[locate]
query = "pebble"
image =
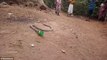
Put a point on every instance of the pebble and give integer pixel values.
(63, 51)
(32, 45)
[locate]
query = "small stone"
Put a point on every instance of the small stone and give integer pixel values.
(63, 51)
(32, 45)
(42, 7)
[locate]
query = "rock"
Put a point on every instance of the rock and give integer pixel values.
(11, 16)
(32, 45)
(42, 7)
(63, 51)
(4, 5)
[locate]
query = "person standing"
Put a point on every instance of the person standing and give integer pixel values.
(91, 8)
(58, 6)
(103, 10)
(71, 7)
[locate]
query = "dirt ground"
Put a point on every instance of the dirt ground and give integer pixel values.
(73, 38)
